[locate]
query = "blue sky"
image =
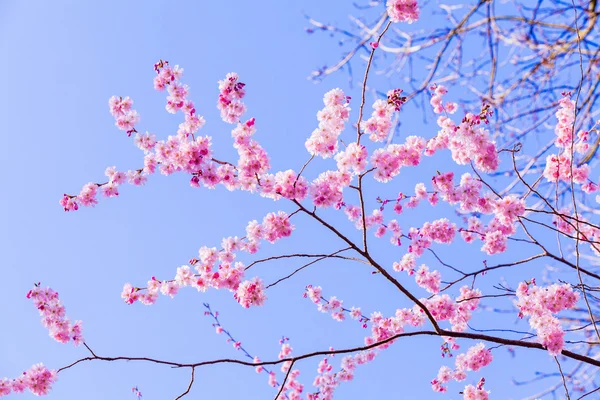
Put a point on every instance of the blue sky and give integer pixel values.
(61, 63)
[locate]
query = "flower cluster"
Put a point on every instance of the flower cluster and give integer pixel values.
(471, 392)
(327, 381)
(457, 311)
(565, 223)
(467, 141)
(539, 303)
(467, 194)
(38, 379)
(379, 125)
(230, 96)
(474, 359)
(326, 190)
(286, 184)
(228, 275)
(251, 293)
(564, 128)
(559, 167)
(125, 117)
(324, 140)
(437, 101)
(252, 165)
(178, 153)
(403, 10)
(353, 158)
(384, 328)
(428, 280)
(390, 159)
(292, 390)
(54, 316)
(333, 306)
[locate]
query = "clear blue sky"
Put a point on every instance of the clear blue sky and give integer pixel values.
(61, 61)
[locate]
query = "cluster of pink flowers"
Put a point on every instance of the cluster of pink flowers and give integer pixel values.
(314, 293)
(228, 275)
(471, 392)
(440, 231)
(403, 10)
(508, 209)
(466, 303)
(292, 390)
(390, 159)
(407, 263)
(89, 192)
(437, 100)
(276, 226)
(379, 125)
(441, 307)
(324, 140)
(38, 379)
(285, 184)
(354, 158)
(467, 194)
(539, 303)
(559, 166)
(125, 117)
(373, 220)
(565, 223)
(327, 381)
(467, 141)
(428, 280)
(457, 312)
(253, 162)
(165, 74)
(231, 93)
(564, 128)
(474, 359)
(333, 306)
(251, 293)
(383, 328)
(393, 226)
(54, 316)
(506, 212)
(326, 190)
(178, 153)
(169, 77)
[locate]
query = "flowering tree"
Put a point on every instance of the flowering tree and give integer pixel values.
(517, 56)
(360, 179)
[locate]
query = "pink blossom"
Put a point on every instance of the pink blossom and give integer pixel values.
(539, 303)
(494, 242)
(53, 315)
(323, 140)
(403, 10)
(251, 293)
(354, 158)
(429, 280)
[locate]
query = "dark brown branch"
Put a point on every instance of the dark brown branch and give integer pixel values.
(189, 386)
